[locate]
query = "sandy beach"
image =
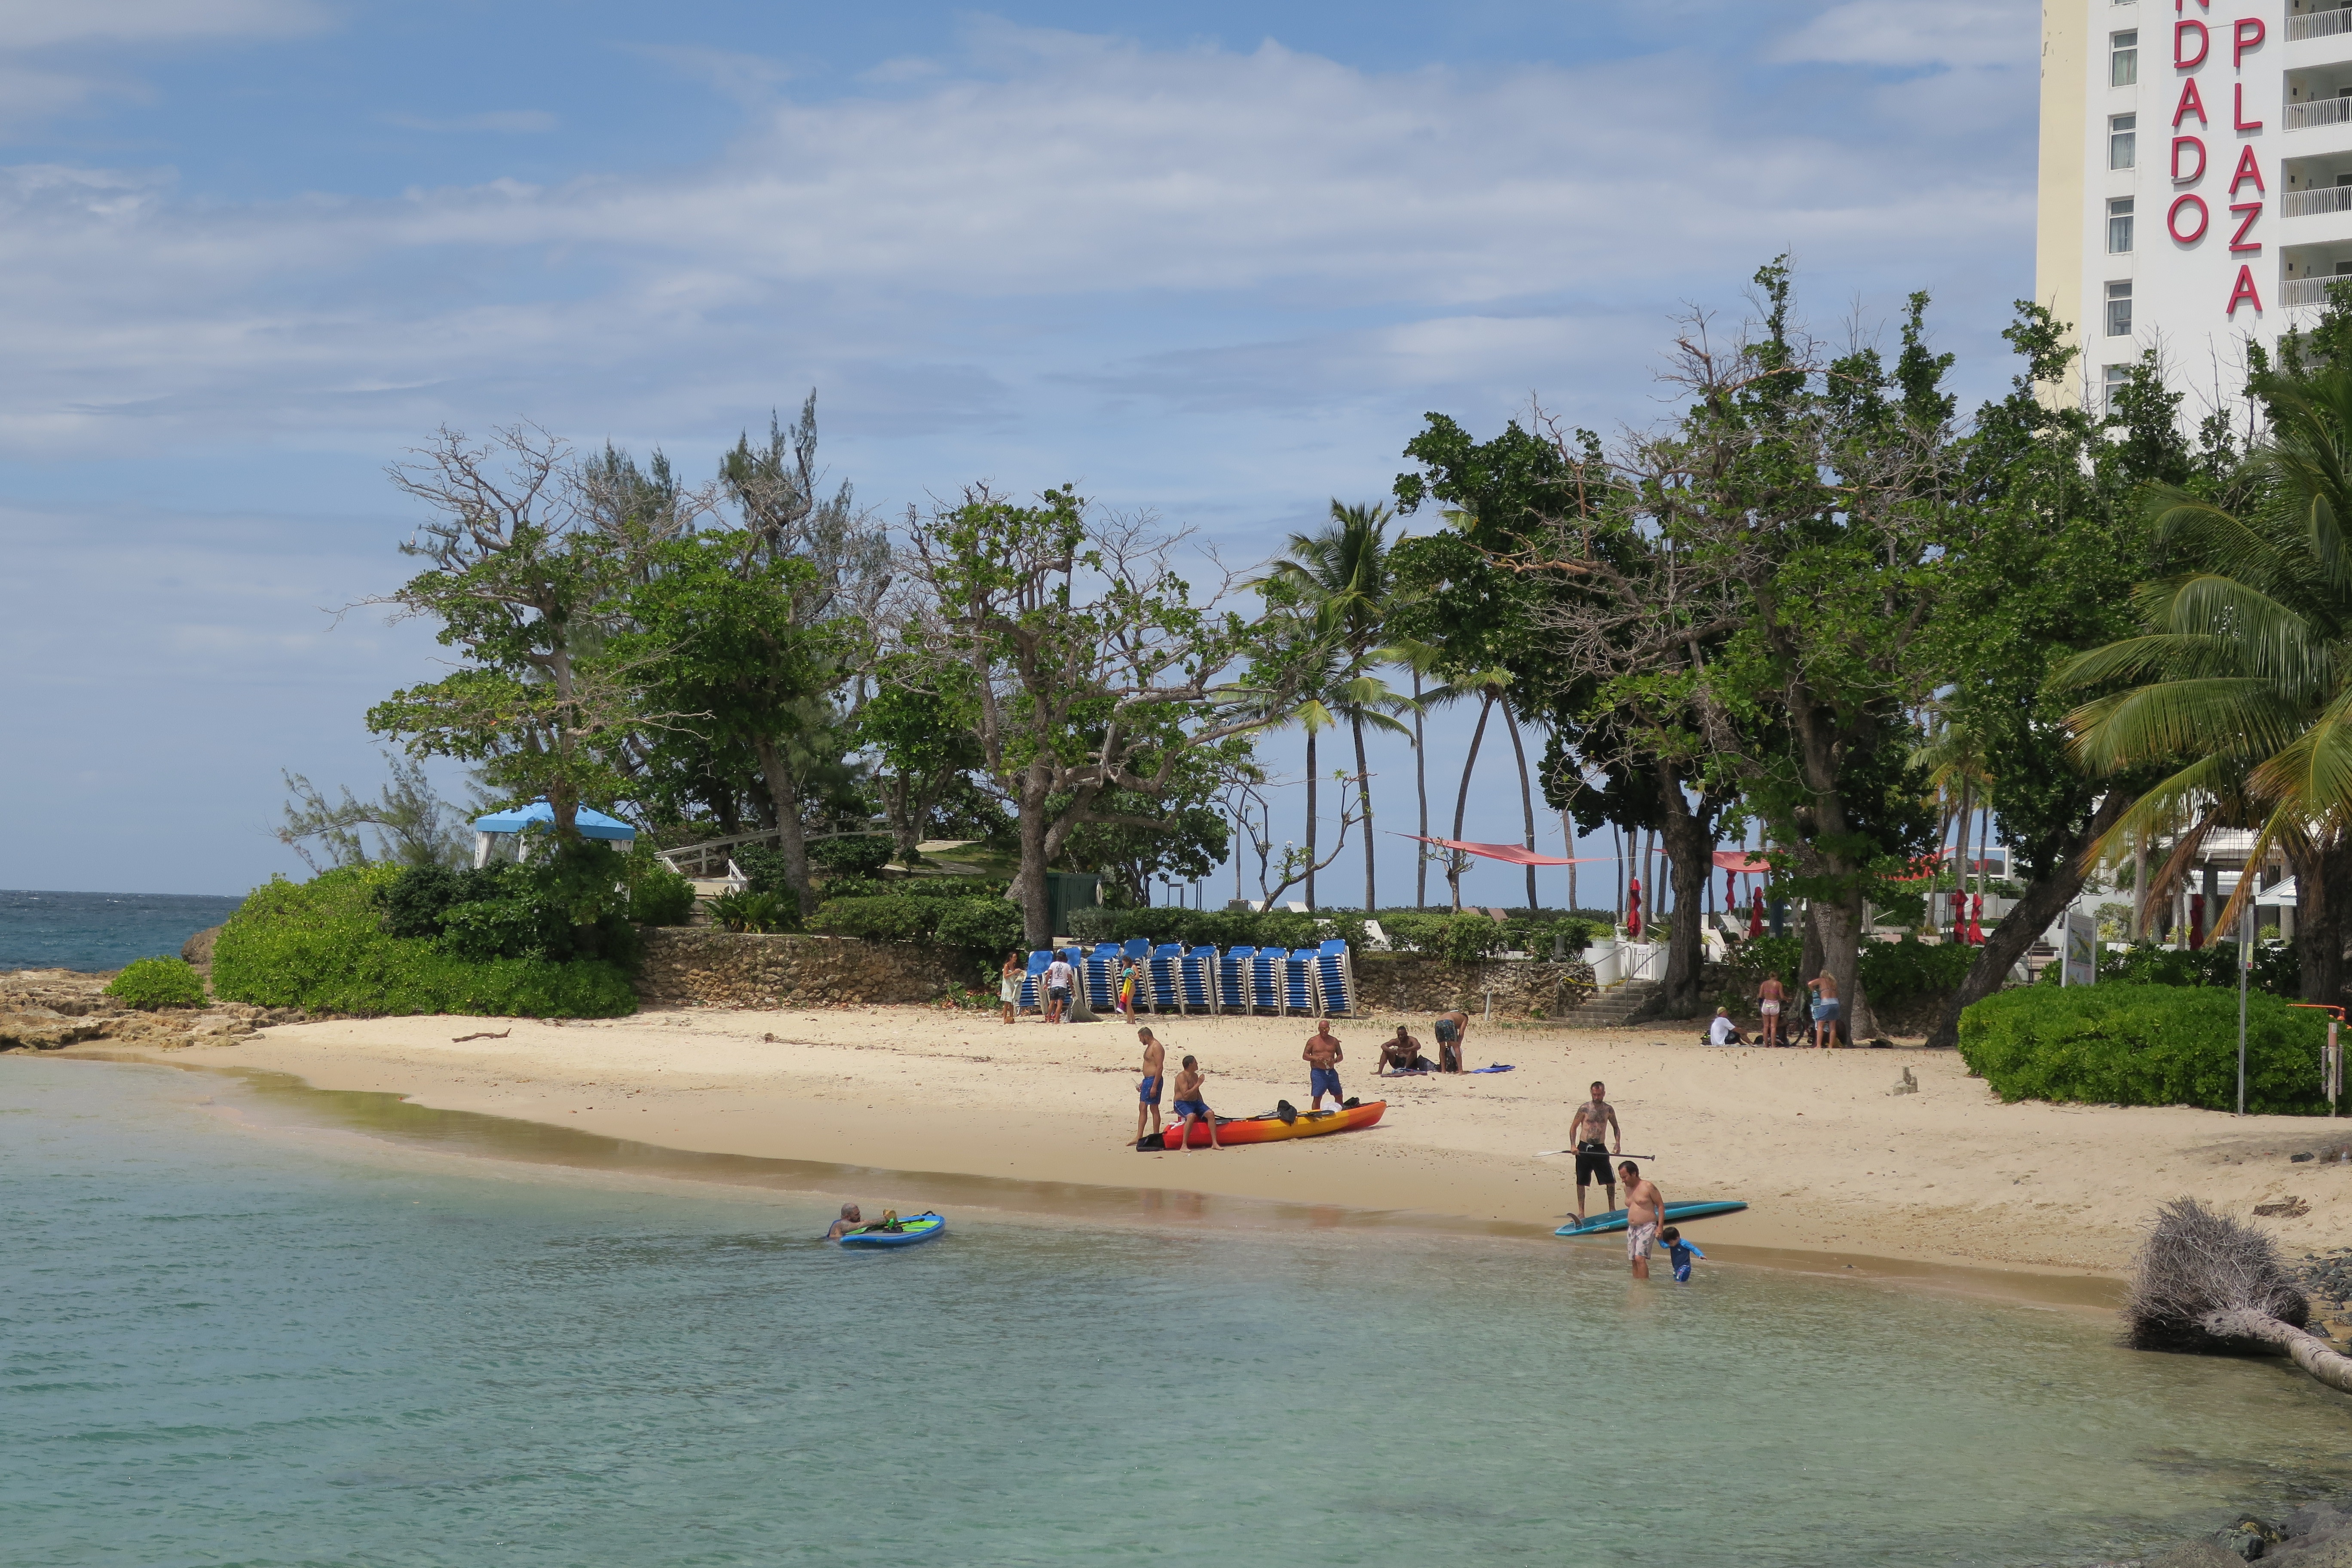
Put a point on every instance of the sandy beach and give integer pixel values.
(1834, 1162)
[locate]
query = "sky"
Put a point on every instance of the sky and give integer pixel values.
(1215, 261)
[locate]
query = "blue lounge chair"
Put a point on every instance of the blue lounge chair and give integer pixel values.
(1298, 981)
(1234, 979)
(1336, 976)
(1033, 994)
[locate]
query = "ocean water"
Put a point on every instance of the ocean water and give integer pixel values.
(101, 931)
(229, 1340)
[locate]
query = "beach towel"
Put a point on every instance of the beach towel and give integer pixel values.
(1499, 1067)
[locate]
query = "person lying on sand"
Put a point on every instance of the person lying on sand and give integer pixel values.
(1146, 1094)
(1323, 1056)
(1645, 1207)
(1452, 1030)
(1192, 1107)
(851, 1219)
(1400, 1055)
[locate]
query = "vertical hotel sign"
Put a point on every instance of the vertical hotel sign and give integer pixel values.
(2190, 216)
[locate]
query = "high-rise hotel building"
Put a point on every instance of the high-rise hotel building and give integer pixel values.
(2196, 180)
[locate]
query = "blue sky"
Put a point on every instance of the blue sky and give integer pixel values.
(1213, 260)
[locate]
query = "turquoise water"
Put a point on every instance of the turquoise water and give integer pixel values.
(101, 931)
(229, 1342)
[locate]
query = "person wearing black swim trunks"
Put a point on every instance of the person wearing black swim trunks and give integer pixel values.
(1594, 1118)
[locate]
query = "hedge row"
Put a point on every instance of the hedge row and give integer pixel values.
(321, 945)
(2116, 1044)
(982, 925)
(1461, 939)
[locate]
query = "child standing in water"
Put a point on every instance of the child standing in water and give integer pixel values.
(1679, 1253)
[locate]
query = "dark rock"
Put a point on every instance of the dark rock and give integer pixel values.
(2243, 1544)
(2196, 1554)
(198, 951)
(2299, 1159)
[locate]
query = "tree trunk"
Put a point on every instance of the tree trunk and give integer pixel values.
(1364, 796)
(1617, 857)
(2140, 893)
(1840, 925)
(2323, 893)
(784, 790)
(2044, 897)
(1960, 865)
(1029, 883)
(1688, 854)
(1808, 958)
(2307, 1350)
(1462, 801)
(1568, 836)
(1420, 791)
(1526, 799)
(1310, 816)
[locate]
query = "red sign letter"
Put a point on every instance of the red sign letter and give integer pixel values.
(2246, 34)
(2243, 291)
(2177, 177)
(2172, 219)
(2191, 103)
(2247, 169)
(2180, 45)
(2238, 241)
(2238, 121)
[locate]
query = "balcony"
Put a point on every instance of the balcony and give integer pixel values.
(2311, 204)
(2297, 291)
(2320, 112)
(2318, 25)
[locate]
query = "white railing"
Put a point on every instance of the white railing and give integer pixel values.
(2318, 23)
(2304, 291)
(2319, 111)
(2317, 200)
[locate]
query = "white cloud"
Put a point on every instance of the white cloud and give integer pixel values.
(44, 23)
(1919, 33)
(520, 121)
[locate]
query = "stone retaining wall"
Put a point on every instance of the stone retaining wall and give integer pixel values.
(698, 966)
(1524, 988)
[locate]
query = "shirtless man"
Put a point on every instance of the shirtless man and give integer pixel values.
(1645, 1210)
(1057, 977)
(1146, 1096)
(1769, 997)
(1323, 1056)
(1192, 1107)
(1451, 1029)
(1596, 1136)
(851, 1219)
(1825, 1010)
(1400, 1055)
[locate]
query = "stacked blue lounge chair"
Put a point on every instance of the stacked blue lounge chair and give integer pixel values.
(1335, 978)
(1298, 981)
(1265, 979)
(1033, 994)
(1167, 982)
(1198, 971)
(1102, 977)
(1234, 979)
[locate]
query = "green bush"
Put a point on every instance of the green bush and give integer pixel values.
(884, 919)
(983, 925)
(850, 885)
(557, 908)
(2277, 969)
(762, 865)
(657, 895)
(1899, 972)
(954, 887)
(150, 983)
(858, 854)
(2115, 1044)
(1218, 928)
(751, 910)
(322, 945)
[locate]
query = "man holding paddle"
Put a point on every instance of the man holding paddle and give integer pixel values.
(1592, 1132)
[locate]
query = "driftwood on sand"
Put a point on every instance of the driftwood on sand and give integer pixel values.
(2203, 1281)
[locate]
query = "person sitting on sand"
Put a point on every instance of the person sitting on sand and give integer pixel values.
(1400, 1055)
(1769, 997)
(1825, 1010)
(851, 1219)
(1722, 1031)
(1323, 1056)
(1679, 1253)
(1146, 1095)
(1008, 986)
(1192, 1107)
(1451, 1030)
(1645, 1208)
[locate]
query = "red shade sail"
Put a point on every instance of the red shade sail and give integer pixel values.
(1742, 862)
(1513, 854)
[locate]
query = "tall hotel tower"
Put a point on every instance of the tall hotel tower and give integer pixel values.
(2196, 181)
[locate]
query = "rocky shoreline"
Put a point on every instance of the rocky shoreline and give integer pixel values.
(49, 1009)
(2317, 1535)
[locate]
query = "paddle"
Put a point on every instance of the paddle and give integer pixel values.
(1547, 1153)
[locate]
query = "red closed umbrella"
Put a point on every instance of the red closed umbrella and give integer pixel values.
(1634, 910)
(2196, 921)
(1976, 923)
(1756, 914)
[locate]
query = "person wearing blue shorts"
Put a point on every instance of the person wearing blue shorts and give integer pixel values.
(1192, 1107)
(1679, 1253)
(1825, 1010)
(1323, 1056)
(1146, 1094)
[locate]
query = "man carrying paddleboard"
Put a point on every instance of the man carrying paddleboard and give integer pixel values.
(1592, 1132)
(1645, 1210)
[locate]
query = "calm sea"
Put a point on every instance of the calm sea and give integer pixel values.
(101, 931)
(230, 1340)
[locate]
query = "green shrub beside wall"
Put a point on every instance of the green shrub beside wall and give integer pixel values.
(2145, 1045)
(150, 983)
(322, 945)
(983, 925)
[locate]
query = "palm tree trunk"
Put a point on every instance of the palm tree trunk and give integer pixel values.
(1462, 801)
(1310, 816)
(1568, 836)
(2140, 889)
(1421, 790)
(1526, 799)
(1617, 858)
(1364, 795)
(1960, 861)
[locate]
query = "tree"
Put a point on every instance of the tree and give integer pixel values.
(1339, 578)
(412, 825)
(923, 744)
(1078, 696)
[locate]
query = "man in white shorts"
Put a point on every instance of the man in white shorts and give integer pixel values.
(1645, 1210)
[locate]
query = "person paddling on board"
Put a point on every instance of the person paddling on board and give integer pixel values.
(1323, 1056)
(1400, 1055)
(1592, 1133)
(1646, 1209)
(1451, 1029)
(1146, 1094)
(851, 1219)
(1192, 1107)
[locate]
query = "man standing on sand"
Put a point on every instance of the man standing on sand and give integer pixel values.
(1451, 1029)
(1769, 997)
(1592, 1133)
(1645, 1210)
(1057, 989)
(1825, 1010)
(1147, 1093)
(1323, 1056)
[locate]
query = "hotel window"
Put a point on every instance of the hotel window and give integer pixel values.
(2120, 139)
(2119, 225)
(2116, 376)
(2122, 60)
(2120, 310)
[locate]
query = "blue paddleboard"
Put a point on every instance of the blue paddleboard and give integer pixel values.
(912, 1231)
(1600, 1224)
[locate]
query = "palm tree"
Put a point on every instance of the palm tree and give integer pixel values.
(1954, 764)
(1339, 578)
(2243, 672)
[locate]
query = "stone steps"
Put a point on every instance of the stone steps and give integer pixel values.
(1613, 1007)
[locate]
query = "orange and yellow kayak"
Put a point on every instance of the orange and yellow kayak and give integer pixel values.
(1271, 1127)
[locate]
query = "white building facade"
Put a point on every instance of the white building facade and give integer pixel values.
(2196, 178)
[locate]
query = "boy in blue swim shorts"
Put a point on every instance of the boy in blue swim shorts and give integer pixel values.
(1679, 1253)
(1192, 1107)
